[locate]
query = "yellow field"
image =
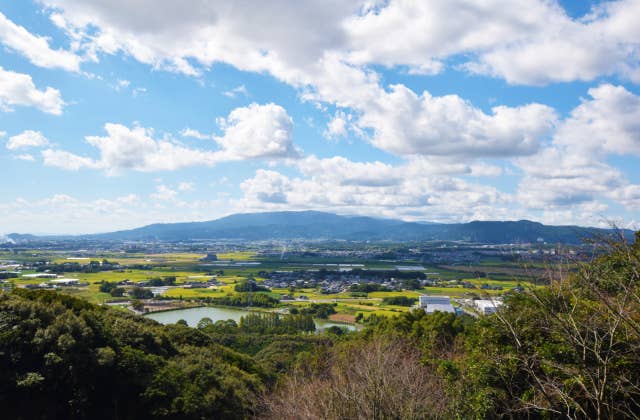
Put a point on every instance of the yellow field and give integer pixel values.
(181, 264)
(237, 256)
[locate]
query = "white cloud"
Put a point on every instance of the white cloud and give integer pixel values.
(401, 122)
(186, 186)
(629, 196)
(415, 190)
(238, 90)
(253, 132)
(407, 124)
(564, 50)
(522, 41)
(484, 169)
(17, 89)
(571, 172)
(125, 148)
(82, 215)
(257, 131)
(66, 160)
(341, 171)
(188, 36)
(330, 59)
(25, 157)
(190, 132)
(121, 84)
(333, 58)
(420, 34)
(609, 122)
(36, 48)
(556, 177)
(164, 193)
(138, 91)
(338, 126)
(27, 139)
(436, 198)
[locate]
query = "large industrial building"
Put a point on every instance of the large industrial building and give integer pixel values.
(432, 304)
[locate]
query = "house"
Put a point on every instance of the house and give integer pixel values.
(432, 304)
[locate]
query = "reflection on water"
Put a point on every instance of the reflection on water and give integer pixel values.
(193, 315)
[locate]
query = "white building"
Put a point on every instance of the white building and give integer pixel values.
(432, 304)
(64, 282)
(486, 306)
(40, 276)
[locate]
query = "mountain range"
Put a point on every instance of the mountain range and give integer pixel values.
(314, 225)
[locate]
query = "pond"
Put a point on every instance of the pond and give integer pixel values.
(193, 315)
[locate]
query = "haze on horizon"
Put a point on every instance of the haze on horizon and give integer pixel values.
(115, 115)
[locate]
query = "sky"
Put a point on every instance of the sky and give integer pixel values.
(116, 114)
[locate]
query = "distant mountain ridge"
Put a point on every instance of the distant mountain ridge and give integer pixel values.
(315, 225)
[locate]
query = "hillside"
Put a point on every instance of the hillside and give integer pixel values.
(313, 225)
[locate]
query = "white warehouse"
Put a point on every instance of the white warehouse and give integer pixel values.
(436, 303)
(486, 306)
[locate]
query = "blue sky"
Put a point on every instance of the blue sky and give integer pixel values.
(123, 113)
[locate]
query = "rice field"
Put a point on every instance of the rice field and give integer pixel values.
(188, 267)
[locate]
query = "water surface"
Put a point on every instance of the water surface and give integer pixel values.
(193, 315)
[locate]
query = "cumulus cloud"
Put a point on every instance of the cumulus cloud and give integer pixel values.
(331, 56)
(522, 41)
(437, 198)
(342, 171)
(338, 126)
(557, 177)
(191, 35)
(164, 193)
(421, 34)
(27, 139)
(238, 90)
(131, 148)
(416, 190)
(334, 58)
(257, 131)
(66, 160)
(17, 89)
(407, 124)
(563, 50)
(572, 172)
(190, 132)
(609, 122)
(253, 132)
(35, 48)
(402, 122)
(629, 196)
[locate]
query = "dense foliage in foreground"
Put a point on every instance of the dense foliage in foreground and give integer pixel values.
(571, 350)
(61, 357)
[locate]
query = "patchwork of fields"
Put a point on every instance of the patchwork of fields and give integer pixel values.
(230, 269)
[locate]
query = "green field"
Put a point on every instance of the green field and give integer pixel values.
(188, 266)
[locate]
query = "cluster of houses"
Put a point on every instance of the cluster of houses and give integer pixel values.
(331, 281)
(211, 281)
(55, 283)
